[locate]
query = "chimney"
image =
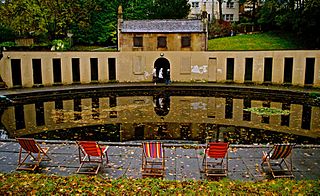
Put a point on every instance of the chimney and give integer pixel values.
(120, 21)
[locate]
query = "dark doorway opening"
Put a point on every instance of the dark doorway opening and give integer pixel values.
(162, 66)
(16, 72)
(230, 69)
(56, 63)
(112, 104)
(267, 70)
(76, 70)
(309, 74)
(229, 108)
(306, 117)
(94, 69)
(40, 120)
(19, 116)
(112, 68)
(37, 73)
(288, 67)
(139, 132)
(248, 70)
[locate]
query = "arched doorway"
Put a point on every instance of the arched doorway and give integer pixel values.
(162, 65)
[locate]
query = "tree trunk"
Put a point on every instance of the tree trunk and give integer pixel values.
(220, 9)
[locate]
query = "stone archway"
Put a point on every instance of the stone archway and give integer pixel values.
(164, 64)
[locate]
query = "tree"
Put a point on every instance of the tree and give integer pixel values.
(220, 9)
(91, 21)
(6, 34)
(299, 16)
(170, 9)
(51, 18)
(252, 14)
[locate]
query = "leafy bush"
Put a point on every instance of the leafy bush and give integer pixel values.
(7, 44)
(61, 45)
(219, 28)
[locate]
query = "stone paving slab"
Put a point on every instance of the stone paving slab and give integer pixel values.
(181, 163)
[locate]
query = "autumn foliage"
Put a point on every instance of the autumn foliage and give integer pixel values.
(40, 184)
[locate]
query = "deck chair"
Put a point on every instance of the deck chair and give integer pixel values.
(153, 162)
(215, 159)
(279, 160)
(91, 154)
(35, 154)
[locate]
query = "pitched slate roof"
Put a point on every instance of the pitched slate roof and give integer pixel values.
(162, 26)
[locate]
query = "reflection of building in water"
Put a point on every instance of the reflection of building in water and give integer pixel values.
(134, 117)
(161, 104)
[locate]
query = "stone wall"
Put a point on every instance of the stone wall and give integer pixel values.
(27, 69)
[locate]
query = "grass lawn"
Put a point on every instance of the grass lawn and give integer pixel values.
(259, 41)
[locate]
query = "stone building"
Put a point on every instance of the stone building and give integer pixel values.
(161, 35)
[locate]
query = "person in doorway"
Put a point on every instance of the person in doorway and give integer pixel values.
(154, 76)
(167, 76)
(161, 75)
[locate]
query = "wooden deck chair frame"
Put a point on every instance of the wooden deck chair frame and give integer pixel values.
(215, 159)
(90, 152)
(279, 160)
(34, 150)
(153, 159)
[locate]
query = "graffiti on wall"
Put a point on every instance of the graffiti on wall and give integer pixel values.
(199, 69)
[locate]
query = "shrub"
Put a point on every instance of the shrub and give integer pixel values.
(219, 28)
(7, 44)
(6, 34)
(60, 45)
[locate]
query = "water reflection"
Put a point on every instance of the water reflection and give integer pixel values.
(161, 104)
(165, 117)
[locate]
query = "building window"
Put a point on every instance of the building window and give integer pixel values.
(228, 17)
(162, 42)
(137, 42)
(195, 4)
(185, 41)
(230, 4)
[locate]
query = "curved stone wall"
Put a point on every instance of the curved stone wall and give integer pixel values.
(32, 69)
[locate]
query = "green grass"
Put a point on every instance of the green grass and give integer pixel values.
(92, 48)
(40, 184)
(259, 41)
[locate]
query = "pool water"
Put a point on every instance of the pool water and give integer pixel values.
(181, 117)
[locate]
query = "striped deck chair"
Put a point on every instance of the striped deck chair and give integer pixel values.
(215, 159)
(279, 160)
(34, 150)
(91, 153)
(153, 162)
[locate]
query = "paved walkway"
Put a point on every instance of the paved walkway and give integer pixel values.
(181, 163)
